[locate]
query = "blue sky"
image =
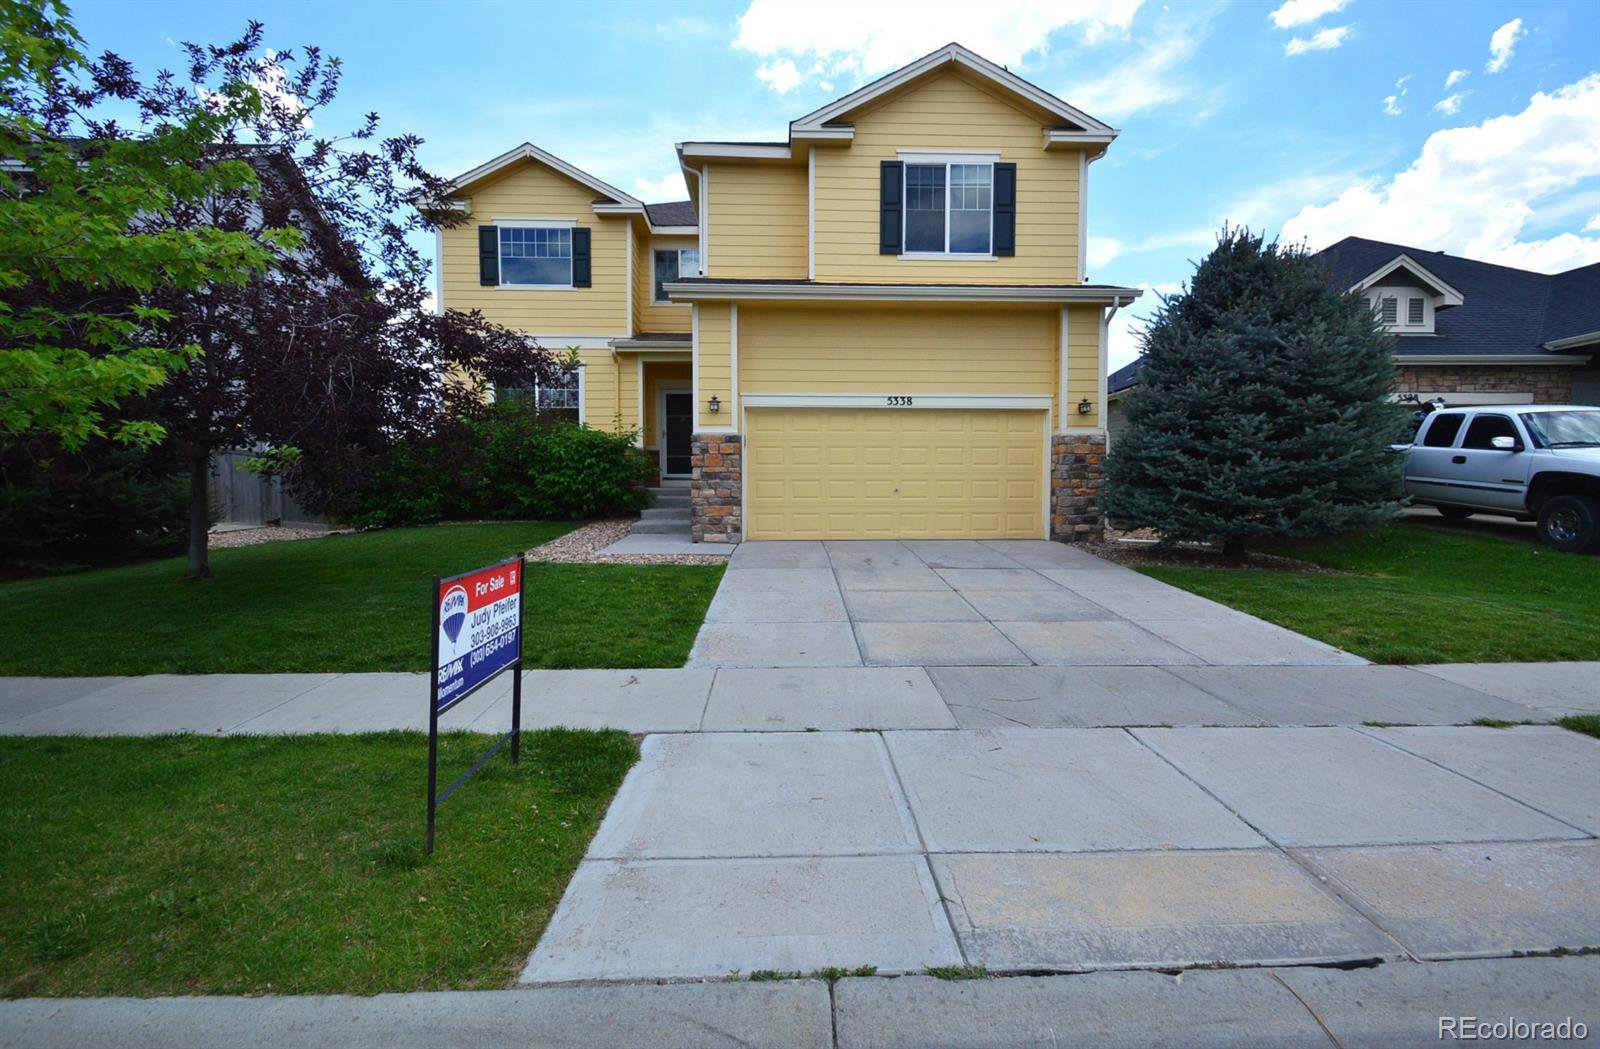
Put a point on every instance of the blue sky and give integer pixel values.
(1467, 127)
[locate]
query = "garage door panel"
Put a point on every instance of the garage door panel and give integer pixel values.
(888, 473)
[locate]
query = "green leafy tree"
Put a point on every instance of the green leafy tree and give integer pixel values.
(1265, 408)
(78, 258)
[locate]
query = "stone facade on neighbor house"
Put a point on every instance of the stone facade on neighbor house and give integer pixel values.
(1543, 384)
(878, 327)
(716, 489)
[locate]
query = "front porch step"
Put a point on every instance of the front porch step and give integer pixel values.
(670, 497)
(665, 513)
(674, 526)
(672, 482)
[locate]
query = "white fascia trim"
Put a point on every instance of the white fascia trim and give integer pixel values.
(1059, 137)
(1573, 341)
(602, 208)
(694, 364)
(533, 223)
(1061, 412)
(903, 292)
(947, 156)
(1450, 295)
(674, 231)
(725, 150)
(648, 357)
(811, 213)
(881, 400)
(842, 133)
(733, 356)
(570, 342)
(1083, 216)
(529, 151)
(950, 53)
(1492, 358)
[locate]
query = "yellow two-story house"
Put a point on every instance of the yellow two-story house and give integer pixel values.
(879, 328)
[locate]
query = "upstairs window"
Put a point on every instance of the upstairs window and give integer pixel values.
(949, 209)
(536, 256)
(673, 264)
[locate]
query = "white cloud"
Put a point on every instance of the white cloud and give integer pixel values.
(874, 38)
(1299, 12)
(1502, 44)
(668, 187)
(1322, 40)
(1450, 105)
(781, 76)
(1391, 103)
(1103, 250)
(1593, 225)
(1456, 76)
(1151, 78)
(1472, 190)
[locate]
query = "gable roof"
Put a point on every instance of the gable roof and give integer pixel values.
(952, 54)
(1503, 311)
(672, 213)
(529, 151)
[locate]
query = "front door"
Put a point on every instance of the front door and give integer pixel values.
(677, 424)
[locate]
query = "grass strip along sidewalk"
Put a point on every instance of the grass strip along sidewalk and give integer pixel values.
(1414, 594)
(188, 865)
(343, 604)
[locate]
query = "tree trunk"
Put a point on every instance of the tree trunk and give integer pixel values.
(199, 515)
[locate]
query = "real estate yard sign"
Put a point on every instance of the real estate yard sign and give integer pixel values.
(477, 633)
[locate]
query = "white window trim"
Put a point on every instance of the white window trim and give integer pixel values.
(680, 250)
(527, 223)
(979, 157)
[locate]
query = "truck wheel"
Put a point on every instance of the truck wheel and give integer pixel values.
(1453, 513)
(1570, 523)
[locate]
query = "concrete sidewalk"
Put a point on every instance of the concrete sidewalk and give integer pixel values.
(1397, 1004)
(798, 699)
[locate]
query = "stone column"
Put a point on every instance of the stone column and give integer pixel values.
(716, 513)
(1077, 473)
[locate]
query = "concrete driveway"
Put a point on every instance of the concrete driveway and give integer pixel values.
(972, 603)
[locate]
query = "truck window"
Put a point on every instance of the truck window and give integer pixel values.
(1442, 430)
(1485, 428)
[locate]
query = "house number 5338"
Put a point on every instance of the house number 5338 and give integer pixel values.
(899, 402)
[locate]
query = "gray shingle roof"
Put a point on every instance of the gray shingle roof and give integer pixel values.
(672, 213)
(1503, 310)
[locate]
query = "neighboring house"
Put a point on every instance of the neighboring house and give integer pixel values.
(878, 328)
(1471, 333)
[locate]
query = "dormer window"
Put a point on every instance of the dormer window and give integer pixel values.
(1405, 296)
(1404, 311)
(1414, 312)
(1389, 310)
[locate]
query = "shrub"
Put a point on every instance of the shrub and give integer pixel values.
(1265, 409)
(508, 463)
(104, 505)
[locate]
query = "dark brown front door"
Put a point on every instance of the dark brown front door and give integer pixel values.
(679, 415)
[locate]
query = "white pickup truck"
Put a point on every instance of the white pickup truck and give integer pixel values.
(1532, 462)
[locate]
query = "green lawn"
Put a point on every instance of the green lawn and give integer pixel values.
(1424, 595)
(189, 865)
(344, 603)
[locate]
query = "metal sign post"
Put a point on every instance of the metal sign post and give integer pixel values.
(477, 635)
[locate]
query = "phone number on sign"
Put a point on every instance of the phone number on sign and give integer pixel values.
(488, 624)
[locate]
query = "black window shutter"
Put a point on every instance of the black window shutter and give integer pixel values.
(1005, 209)
(580, 258)
(488, 255)
(891, 192)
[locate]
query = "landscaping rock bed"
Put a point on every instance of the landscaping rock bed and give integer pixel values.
(582, 546)
(270, 534)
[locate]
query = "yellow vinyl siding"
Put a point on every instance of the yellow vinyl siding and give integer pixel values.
(883, 473)
(756, 220)
(599, 389)
(926, 348)
(714, 365)
(946, 111)
(650, 315)
(533, 191)
(1083, 364)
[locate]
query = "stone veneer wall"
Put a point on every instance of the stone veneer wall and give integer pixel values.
(716, 513)
(1549, 384)
(1077, 474)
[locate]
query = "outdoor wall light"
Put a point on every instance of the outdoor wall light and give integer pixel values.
(1084, 407)
(713, 405)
